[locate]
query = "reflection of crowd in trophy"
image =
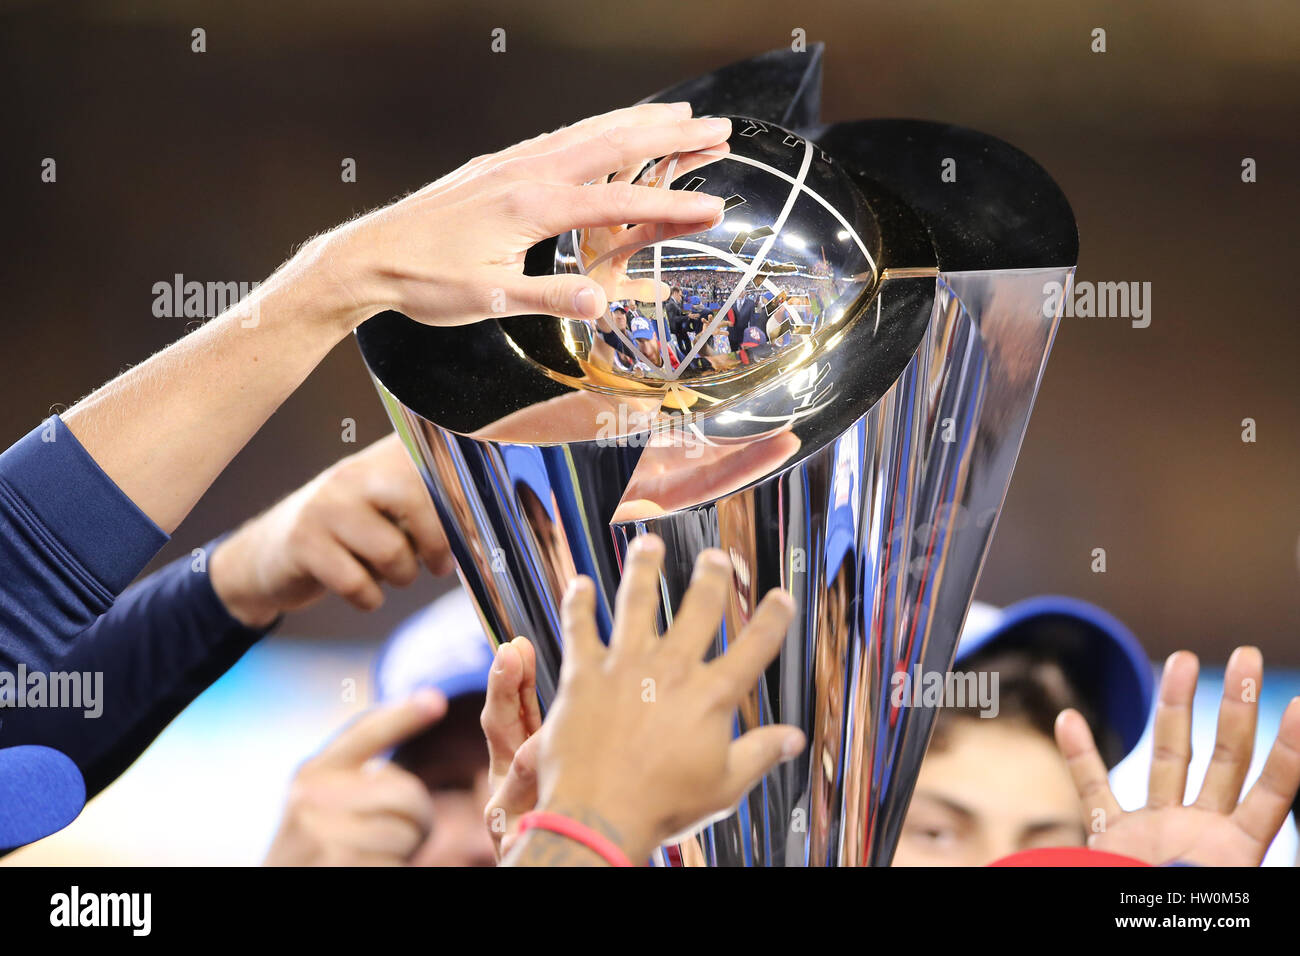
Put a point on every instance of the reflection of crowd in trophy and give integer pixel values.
(753, 327)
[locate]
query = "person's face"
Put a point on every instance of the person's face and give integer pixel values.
(452, 761)
(994, 788)
(650, 349)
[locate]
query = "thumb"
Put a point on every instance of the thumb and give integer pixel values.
(518, 792)
(755, 753)
(502, 717)
(382, 728)
(568, 296)
(516, 795)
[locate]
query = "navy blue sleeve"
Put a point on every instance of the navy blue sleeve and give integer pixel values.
(164, 641)
(70, 541)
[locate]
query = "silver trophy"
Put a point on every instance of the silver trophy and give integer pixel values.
(831, 385)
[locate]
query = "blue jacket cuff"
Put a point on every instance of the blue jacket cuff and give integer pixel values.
(87, 515)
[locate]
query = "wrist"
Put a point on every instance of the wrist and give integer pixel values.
(340, 277)
(626, 830)
(589, 841)
(233, 580)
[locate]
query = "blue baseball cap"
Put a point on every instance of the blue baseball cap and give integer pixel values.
(640, 327)
(1101, 657)
(753, 336)
(443, 646)
(41, 792)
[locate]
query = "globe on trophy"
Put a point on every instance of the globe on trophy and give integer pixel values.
(831, 384)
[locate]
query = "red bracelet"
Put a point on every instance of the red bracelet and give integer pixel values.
(602, 846)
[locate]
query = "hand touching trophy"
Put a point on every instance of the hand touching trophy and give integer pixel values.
(830, 383)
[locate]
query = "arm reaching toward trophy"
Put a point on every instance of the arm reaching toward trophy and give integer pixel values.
(1219, 828)
(451, 253)
(639, 744)
(365, 522)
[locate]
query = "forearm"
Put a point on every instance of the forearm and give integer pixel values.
(448, 254)
(166, 428)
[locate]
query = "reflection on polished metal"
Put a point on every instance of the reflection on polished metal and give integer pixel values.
(795, 251)
(835, 394)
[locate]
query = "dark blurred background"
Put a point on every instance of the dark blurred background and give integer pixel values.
(217, 165)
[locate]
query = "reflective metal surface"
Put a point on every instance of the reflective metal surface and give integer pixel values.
(796, 249)
(862, 465)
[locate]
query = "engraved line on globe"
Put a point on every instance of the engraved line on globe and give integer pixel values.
(752, 270)
(662, 183)
(653, 173)
(776, 173)
(820, 200)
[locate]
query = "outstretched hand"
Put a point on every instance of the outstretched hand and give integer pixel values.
(639, 742)
(453, 252)
(1215, 830)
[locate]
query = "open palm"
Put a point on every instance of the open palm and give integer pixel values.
(1216, 830)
